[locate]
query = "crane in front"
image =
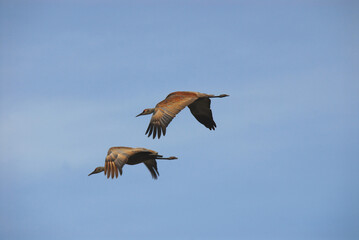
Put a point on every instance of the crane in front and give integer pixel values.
(117, 157)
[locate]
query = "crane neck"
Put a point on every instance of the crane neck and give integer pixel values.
(150, 110)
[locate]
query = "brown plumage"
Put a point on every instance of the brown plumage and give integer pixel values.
(117, 157)
(198, 103)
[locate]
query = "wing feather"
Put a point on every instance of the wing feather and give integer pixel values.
(115, 160)
(201, 110)
(152, 167)
(167, 109)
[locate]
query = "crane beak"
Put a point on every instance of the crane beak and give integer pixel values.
(139, 114)
(92, 173)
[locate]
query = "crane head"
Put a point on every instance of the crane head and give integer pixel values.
(146, 111)
(97, 170)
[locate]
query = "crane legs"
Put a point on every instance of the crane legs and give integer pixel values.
(169, 158)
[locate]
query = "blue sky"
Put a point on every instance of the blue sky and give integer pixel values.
(282, 164)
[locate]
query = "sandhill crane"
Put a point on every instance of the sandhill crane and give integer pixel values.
(166, 110)
(119, 156)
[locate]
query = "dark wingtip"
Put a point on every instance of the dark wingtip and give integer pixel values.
(150, 130)
(212, 126)
(155, 176)
(154, 132)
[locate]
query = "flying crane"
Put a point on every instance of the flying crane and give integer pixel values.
(117, 157)
(166, 110)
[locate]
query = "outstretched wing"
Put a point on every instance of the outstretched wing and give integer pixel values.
(201, 110)
(167, 109)
(152, 167)
(115, 159)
